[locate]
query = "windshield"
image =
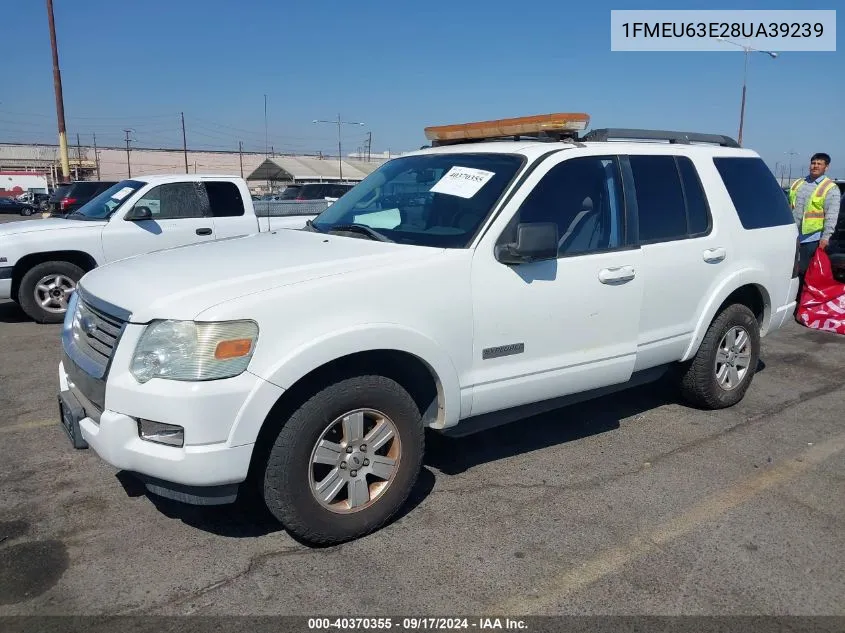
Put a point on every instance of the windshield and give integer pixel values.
(435, 200)
(102, 206)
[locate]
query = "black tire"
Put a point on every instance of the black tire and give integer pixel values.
(699, 384)
(26, 292)
(286, 475)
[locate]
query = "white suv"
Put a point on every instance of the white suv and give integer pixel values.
(463, 285)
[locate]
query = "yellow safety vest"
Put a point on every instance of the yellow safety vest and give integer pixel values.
(813, 220)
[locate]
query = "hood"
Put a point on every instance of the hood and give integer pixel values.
(48, 224)
(181, 282)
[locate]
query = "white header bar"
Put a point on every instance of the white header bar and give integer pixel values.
(772, 31)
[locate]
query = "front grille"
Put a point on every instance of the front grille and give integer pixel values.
(95, 334)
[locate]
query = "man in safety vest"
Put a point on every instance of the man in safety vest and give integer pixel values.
(815, 206)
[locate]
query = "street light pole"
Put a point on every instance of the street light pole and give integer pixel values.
(746, 50)
(790, 154)
(339, 122)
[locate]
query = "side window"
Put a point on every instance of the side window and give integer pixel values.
(224, 199)
(177, 200)
(660, 199)
(698, 211)
(754, 191)
(584, 197)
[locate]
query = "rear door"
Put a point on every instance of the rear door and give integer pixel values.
(181, 215)
(683, 253)
(228, 210)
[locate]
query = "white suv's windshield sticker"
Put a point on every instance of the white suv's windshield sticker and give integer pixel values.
(120, 195)
(462, 181)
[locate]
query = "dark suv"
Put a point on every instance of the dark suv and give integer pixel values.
(321, 190)
(67, 198)
(836, 247)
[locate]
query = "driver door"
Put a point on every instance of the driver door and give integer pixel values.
(551, 328)
(180, 213)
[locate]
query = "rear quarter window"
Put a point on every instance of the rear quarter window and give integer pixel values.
(754, 191)
(224, 198)
(84, 190)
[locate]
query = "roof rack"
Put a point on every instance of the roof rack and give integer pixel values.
(604, 134)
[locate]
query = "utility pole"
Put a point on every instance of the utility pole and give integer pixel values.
(78, 157)
(266, 141)
(369, 145)
(57, 88)
(339, 122)
(241, 156)
(96, 156)
(128, 166)
(184, 143)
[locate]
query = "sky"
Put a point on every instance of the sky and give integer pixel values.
(396, 67)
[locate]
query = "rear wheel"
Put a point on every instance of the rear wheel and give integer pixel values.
(345, 461)
(724, 366)
(46, 288)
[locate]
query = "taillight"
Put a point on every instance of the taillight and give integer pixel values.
(66, 202)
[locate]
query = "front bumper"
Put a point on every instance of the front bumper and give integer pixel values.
(208, 468)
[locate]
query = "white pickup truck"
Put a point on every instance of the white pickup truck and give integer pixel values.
(455, 287)
(42, 260)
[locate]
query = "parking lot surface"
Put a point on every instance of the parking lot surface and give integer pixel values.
(634, 504)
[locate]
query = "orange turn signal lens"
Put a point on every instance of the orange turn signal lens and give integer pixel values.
(236, 348)
(558, 122)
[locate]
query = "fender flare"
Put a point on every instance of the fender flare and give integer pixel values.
(302, 360)
(744, 277)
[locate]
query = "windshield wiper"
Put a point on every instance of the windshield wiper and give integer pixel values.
(361, 228)
(309, 224)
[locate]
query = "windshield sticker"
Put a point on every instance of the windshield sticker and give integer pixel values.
(462, 181)
(120, 195)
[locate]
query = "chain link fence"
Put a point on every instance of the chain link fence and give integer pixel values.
(285, 208)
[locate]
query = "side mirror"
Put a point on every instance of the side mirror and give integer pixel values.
(139, 213)
(535, 241)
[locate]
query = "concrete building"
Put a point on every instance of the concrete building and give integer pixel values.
(113, 163)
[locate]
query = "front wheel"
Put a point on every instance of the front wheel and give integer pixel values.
(345, 461)
(724, 366)
(46, 288)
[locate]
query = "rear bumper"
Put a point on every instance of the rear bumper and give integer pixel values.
(781, 314)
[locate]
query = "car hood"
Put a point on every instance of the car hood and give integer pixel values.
(47, 224)
(181, 282)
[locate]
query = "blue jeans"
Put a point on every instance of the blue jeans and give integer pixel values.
(806, 252)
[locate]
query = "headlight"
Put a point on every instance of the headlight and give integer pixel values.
(186, 350)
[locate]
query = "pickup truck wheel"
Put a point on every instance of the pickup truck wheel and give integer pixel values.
(45, 290)
(345, 462)
(724, 366)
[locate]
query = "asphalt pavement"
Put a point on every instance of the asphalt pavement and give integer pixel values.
(634, 504)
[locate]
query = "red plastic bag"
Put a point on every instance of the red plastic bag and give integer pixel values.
(822, 303)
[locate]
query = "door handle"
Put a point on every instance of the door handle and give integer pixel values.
(204, 231)
(713, 255)
(619, 274)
